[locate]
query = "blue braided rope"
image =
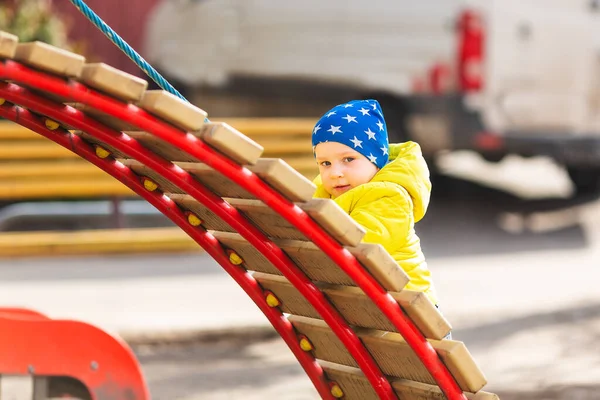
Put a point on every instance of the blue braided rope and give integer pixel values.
(127, 49)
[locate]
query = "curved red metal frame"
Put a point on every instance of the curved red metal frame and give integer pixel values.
(246, 179)
(201, 236)
(181, 178)
(229, 214)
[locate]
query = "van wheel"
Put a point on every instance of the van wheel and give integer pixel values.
(586, 180)
(493, 157)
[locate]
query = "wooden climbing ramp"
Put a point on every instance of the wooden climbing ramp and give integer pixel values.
(339, 304)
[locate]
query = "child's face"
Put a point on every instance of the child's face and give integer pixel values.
(342, 168)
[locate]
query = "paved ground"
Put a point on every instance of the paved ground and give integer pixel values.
(526, 304)
(265, 370)
(533, 342)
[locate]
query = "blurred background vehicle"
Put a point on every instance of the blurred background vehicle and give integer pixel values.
(495, 77)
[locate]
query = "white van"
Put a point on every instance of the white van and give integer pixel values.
(496, 77)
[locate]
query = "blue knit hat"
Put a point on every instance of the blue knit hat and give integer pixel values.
(359, 124)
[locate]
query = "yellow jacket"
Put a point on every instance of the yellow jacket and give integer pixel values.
(389, 206)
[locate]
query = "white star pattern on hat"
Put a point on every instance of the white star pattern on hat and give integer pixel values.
(350, 118)
(370, 134)
(357, 143)
(363, 131)
(334, 129)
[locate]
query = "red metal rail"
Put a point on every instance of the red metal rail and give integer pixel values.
(215, 200)
(274, 254)
(203, 238)
(77, 92)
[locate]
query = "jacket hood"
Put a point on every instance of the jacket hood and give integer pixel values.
(407, 168)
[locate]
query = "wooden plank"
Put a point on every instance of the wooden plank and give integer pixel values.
(393, 355)
(50, 58)
(114, 153)
(26, 150)
(216, 182)
(277, 172)
(299, 252)
(352, 302)
(230, 142)
(49, 169)
(209, 219)
(378, 262)
(64, 188)
(271, 223)
(114, 82)
(57, 98)
(274, 226)
(482, 395)
(283, 178)
(95, 241)
(142, 170)
(273, 126)
(460, 363)
(304, 164)
(401, 362)
(357, 308)
(274, 170)
(174, 110)
(253, 259)
(325, 212)
(335, 221)
(103, 118)
(307, 167)
(355, 386)
(251, 127)
(292, 302)
(12, 131)
(8, 44)
(160, 147)
(316, 265)
(325, 344)
(351, 381)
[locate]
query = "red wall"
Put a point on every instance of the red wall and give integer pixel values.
(126, 17)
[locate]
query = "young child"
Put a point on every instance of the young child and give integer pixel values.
(383, 187)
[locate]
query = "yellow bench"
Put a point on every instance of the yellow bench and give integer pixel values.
(95, 241)
(32, 167)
